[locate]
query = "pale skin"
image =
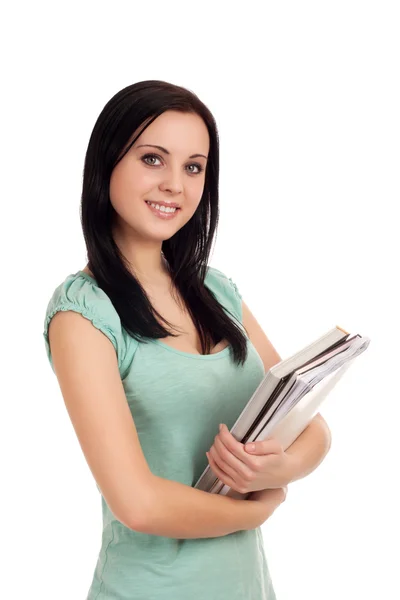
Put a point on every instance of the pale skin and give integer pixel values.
(268, 466)
(175, 177)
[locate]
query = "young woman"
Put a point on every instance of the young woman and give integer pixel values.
(153, 349)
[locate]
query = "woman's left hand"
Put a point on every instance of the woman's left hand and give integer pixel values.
(244, 471)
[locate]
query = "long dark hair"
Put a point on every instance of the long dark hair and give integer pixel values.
(187, 252)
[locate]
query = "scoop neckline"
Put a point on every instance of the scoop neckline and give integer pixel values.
(214, 356)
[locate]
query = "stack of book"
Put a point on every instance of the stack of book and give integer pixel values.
(289, 396)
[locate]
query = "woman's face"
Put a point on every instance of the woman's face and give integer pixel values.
(173, 176)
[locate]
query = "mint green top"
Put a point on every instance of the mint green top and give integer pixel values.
(177, 400)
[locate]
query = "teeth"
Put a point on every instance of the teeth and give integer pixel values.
(162, 208)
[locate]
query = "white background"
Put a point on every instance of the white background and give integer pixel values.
(306, 98)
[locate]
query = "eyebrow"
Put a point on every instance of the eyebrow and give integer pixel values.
(166, 151)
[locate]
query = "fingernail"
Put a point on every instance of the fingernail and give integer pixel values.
(250, 447)
(220, 426)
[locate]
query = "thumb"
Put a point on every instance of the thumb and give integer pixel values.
(263, 447)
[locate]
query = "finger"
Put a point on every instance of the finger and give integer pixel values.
(220, 474)
(264, 447)
(231, 463)
(231, 442)
(237, 449)
(222, 465)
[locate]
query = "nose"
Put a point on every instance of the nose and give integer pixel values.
(172, 183)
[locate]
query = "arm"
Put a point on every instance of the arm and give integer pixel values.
(264, 464)
(309, 450)
(86, 366)
(180, 511)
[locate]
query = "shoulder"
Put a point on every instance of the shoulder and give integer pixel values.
(80, 293)
(226, 291)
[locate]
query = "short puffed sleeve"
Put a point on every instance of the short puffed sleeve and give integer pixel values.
(226, 291)
(79, 294)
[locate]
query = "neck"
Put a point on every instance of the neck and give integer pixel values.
(145, 260)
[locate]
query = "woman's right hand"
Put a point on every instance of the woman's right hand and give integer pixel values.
(270, 499)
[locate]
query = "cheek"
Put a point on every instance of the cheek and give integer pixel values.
(191, 203)
(127, 185)
(194, 193)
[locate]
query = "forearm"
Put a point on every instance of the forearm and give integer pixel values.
(180, 511)
(309, 449)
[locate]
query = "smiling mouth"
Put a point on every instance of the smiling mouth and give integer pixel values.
(162, 211)
(160, 204)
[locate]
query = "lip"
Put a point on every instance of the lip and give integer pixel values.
(166, 216)
(170, 204)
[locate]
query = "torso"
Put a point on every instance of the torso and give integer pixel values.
(188, 338)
